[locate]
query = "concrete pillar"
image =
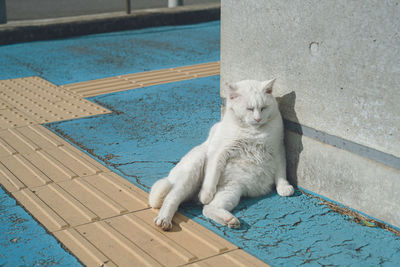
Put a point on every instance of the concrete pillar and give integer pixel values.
(3, 12)
(128, 6)
(175, 3)
(337, 65)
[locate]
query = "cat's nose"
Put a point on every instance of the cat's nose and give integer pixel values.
(258, 120)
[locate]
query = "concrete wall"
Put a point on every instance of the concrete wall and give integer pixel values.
(337, 65)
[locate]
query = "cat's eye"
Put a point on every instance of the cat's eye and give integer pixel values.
(250, 109)
(263, 108)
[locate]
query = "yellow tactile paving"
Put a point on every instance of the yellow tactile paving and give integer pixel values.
(20, 169)
(12, 117)
(35, 100)
(191, 235)
(99, 216)
(119, 190)
(143, 79)
(40, 210)
(82, 248)
(236, 257)
(4, 105)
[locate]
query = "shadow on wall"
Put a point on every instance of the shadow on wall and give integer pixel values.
(293, 135)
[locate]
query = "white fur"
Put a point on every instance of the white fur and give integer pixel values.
(243, 156)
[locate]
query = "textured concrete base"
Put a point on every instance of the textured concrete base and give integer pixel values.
(337, 74)
(25, 31)
(344, 177)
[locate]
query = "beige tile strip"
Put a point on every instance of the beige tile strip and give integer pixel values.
(32, 100)
(99, 216)
(143, 79)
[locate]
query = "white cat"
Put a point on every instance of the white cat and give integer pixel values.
(243, 155)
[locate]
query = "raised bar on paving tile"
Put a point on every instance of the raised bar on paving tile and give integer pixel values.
(21, 170)
(190, 235)
(115, 245)
(40, 210)
(120, 190)
(143, 79)
(151, 241)
(87, 253)
(65, 205)
(235, 258)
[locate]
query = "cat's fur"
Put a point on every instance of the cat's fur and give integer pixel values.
(243, 156)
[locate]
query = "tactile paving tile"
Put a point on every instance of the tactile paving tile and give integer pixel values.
(43, 167)
(4, 105)
(11, 118)
(115, 245)
(40, 210)
(45, 102)
(19, 170)
(82, 248)
(65, 205)
(119, 190)
(28, 139)
(143, 79)
(129, 239)
(233, 258)
(82, 200)
(33, 156)
(105, 194)
(190, 235)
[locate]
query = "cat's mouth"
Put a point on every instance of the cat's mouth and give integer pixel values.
(256, 123)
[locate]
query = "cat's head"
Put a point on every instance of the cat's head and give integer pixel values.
(251, 101)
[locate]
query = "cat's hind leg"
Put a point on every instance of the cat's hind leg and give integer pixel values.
(185, 179)
(175, 197)
(219, 208)
(158, 192)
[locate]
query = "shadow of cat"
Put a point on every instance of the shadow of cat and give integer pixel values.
(293, 135)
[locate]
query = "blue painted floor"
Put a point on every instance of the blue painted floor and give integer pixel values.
(23, 242)
(152, 128)
(98, 56)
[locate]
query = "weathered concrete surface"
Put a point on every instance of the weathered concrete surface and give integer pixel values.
(340, 57)
(153, 127)
(370, 187)
(342, 61)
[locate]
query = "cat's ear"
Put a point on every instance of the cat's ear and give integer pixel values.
(232, 90)
(267, 86)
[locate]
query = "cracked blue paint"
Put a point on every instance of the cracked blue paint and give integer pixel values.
(152, 128)
(104, 55)
(23, 242)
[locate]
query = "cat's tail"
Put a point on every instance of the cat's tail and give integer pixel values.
(158, 192)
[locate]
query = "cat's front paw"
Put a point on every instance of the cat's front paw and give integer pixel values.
(206, 195)
(285, 190)
(163, 223)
